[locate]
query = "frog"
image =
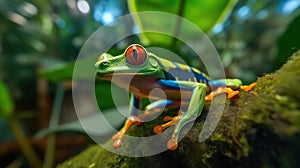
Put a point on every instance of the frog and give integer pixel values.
(181, 84)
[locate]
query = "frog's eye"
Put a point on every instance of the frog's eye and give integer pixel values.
(136, 55)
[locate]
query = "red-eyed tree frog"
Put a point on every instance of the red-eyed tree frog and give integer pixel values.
(181, 84)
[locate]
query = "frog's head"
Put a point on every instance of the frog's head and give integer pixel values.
(135, 60)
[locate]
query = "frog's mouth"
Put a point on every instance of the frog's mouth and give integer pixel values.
(127, 74)
(109, 76)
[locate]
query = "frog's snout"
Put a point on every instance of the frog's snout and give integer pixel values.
(103, 63)
(97, 64)
(103, 60)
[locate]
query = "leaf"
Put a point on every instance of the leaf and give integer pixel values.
(64, 71)
(58, 73)
(288, 43)
(103, 89)
(205, 14)
(93, 125)
(6, 102)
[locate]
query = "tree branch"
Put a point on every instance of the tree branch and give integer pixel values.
(260, 128)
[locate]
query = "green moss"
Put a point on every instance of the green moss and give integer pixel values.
(95, 156)
(260, 128)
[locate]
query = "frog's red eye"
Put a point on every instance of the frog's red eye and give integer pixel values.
(135, 55)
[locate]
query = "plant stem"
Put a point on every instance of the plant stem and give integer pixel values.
(137, 20)
(51, 140)
(227, 10)
(180, 12)
(24, 144)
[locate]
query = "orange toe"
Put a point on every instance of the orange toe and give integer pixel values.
(172, 144)
(168, 118)
(158, 129)
(115, 136)
(117, 143)
(208, 97)
(249, 87)
(232, 94)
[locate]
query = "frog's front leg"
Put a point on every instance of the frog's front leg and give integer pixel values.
(134, 107)
(152, 110)
(194, 108)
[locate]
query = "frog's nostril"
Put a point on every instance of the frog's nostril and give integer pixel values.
(105, 63)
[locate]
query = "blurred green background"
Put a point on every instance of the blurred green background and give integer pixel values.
(40, 40)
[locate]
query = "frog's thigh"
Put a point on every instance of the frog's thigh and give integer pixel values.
(194, 107)
(196, 101)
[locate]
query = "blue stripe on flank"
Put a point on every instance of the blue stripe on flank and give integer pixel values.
(172, 84)
(217, 83)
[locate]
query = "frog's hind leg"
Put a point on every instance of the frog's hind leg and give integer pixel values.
(169, 122)
(194, 108)
(237, 84)
(229, 86)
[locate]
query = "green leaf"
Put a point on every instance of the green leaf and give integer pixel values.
(64, 71)
(205, 14)
(288, 43)
(6, 105)
(94, 124)
(58, 73)
(103, 88)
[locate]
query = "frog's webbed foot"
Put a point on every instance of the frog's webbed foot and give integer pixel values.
(172, 143)
(230, 93)
(169, 122)
(248, 87)
(118, 137)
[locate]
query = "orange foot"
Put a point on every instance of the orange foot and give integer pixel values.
(172, 143)
(118, 137)
(248, 87)
(230, 93)
(170, 121)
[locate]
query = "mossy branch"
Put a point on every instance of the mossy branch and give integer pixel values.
(260, 128)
